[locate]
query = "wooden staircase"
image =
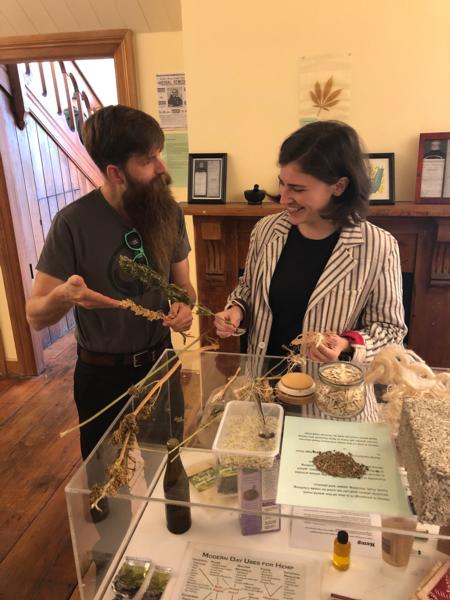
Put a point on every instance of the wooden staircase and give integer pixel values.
(44, 164)
(60, 98)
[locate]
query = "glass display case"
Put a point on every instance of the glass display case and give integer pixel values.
(234, 509)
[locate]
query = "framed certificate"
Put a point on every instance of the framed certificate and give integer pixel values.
(433, 169)
(207, 178)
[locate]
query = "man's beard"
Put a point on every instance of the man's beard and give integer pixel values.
(153, 211)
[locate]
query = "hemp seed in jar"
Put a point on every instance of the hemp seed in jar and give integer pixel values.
(340, 391)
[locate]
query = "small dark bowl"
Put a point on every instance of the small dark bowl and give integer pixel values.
(255, 196)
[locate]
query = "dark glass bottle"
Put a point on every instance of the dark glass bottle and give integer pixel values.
(176, 487)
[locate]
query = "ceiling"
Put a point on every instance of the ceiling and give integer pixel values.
(30, 17)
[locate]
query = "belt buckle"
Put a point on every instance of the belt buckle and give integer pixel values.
(136, 358)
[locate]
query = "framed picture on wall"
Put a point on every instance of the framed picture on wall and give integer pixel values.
(382, 178)
(207, 178)
(433, 169)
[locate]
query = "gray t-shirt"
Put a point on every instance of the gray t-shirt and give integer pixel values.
(87, 238)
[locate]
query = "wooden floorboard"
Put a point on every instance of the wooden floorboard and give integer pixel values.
(36, 560)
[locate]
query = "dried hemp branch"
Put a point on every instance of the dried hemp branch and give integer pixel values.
(151, 278)
(122, 469)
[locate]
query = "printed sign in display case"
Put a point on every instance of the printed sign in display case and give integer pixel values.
(258, 530)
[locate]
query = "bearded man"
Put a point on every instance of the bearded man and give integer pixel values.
(133, 214)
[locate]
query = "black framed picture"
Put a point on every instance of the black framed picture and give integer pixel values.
(382, 178)
(207, 178)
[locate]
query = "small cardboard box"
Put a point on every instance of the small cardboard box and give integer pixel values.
(257, 491)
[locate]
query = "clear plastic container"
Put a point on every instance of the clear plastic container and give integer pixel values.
(237, 442)
(340, 391)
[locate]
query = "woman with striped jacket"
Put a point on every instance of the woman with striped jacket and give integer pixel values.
(319, 265)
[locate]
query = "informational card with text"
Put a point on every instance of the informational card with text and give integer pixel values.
(300, 483)
(221, 573)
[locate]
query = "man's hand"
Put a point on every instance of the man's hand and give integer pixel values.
(52, 298)
(227, 321)
(179, 318)
(330, 349)
(75, 291)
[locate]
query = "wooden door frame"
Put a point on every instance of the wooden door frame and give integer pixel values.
(116, 44)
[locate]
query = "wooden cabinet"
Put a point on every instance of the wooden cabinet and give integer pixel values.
(222, 235)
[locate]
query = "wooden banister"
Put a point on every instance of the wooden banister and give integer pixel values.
(62, 87)
(18, 94)
(43, 82)
(85, 87)
(56, 88)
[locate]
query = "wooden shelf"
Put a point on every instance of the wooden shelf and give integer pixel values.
(242, 209)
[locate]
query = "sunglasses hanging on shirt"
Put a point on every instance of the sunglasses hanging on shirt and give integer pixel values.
(134, 242)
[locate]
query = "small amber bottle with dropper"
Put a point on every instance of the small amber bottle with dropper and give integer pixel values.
(341, 553)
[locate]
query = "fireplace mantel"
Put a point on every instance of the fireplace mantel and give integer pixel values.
(222, 233)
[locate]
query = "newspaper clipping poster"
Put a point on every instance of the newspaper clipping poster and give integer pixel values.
(171, 91)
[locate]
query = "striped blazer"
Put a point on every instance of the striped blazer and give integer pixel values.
(359, 289)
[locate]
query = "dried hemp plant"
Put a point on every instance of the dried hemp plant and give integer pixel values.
(302, 345)
(150, 315)
(122, 469)
(325, 98)
(151, 278)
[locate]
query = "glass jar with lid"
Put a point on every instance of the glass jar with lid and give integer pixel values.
(340, 391)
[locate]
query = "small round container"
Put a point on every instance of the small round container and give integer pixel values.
(340, 390)
(294, 390)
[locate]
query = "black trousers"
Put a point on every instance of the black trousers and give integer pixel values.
(97, 386)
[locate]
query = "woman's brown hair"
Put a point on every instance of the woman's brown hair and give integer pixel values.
(329, 150)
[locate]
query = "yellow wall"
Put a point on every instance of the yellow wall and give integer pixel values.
(242, 57)
(5, 324)
(163, 53)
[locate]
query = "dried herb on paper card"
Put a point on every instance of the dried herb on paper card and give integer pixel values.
(338, 464)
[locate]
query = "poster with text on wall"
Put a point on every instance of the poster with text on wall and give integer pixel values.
(324, 88)
(175, 155)
(378, 488)
(171, 94)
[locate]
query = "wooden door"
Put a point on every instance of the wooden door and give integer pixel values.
(18, 246)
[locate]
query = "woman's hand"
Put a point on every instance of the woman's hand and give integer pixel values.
(330, 348)
(179, 317)
(227, 321)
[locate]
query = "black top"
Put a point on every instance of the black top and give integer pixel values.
(298, 270)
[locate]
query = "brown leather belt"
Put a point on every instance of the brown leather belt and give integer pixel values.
(138, 359)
